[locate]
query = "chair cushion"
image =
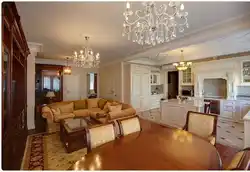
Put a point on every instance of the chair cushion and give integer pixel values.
(68, 108)
(101, 134)
(81, 112)
(236, 160)
(101, 103)
(93, 103)
(202, 125)
(130, 125)
(80, 104)
(63, 116)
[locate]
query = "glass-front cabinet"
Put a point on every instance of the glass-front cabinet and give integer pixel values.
(245, 69)
(187, 78)
(155, 78)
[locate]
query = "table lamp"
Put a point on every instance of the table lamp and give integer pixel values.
(50, 94)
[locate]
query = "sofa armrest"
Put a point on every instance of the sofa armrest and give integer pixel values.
(47, 113)
(123, 113)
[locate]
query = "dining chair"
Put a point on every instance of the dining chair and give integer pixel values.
(241, 160)
(202, 124)
(129, 125)
(99, 135)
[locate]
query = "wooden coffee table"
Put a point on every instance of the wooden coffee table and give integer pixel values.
(73, 132)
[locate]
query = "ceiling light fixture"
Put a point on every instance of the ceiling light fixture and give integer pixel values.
(182, 65)
(154, 25)
(67, 68)
(86, 58)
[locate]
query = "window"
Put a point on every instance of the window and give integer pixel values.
(46, 82)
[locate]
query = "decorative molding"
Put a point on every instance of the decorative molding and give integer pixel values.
(227, 56)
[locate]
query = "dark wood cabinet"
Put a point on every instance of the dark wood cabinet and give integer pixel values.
(14, 90)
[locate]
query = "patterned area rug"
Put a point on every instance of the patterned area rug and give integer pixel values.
(46, 152)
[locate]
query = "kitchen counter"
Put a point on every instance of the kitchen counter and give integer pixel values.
(247, 130)
(195, 103)
(174, 111)
(247, 116)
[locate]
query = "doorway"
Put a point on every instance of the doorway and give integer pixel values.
(173, 84)
(92, 85)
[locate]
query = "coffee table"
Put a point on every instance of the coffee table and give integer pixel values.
(73, 132)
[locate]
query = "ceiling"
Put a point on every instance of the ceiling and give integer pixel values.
(60, 26)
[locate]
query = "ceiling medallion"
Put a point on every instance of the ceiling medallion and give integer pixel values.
(154, 25)
(85, 58)
(67, 68)
(182, 65)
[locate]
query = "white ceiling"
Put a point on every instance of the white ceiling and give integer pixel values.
(59, 25)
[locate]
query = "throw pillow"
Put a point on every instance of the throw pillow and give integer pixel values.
(68, 108)
(56, 111)
(93, 103)
(101, 103)
(115, 108)
(80, 104)
(105, 108)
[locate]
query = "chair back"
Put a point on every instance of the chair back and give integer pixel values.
(201, 124)
(241, 160)
(99, 135)
(129, 125)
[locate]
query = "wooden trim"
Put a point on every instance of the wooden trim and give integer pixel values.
(88, 137)
(215, 122)
(120, 124)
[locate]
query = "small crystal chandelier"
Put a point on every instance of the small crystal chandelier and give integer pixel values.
(86, 58)
(182, 65)
(154, 25)
(67, 68)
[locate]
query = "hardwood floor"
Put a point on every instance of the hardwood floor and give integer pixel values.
(226, 153)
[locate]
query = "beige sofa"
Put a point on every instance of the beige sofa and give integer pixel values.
(95, 108)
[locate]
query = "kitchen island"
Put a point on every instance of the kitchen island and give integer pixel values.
(247, 129)
(174, 111)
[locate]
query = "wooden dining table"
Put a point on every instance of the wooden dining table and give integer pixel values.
(155, 148)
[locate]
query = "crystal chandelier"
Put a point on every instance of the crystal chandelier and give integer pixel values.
(154, 25)
(67, 68)
(86, 58)
(182, 65)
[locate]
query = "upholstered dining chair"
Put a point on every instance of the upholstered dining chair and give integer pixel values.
(129, 125)
(241, 160)
(99, 135)
(203, 125)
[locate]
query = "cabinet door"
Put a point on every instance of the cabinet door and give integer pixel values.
(136, 91)
(145, 91)
(246, 72)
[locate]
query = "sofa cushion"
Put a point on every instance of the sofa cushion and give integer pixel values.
(63, 116)
(95, 111)
(68, 108)
(93, 103)
(115, 108)
(101, 103)
(80, 104)
(81, 112)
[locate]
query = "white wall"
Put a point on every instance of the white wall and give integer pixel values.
(111, 81)
(31, 90)
(74, 85)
